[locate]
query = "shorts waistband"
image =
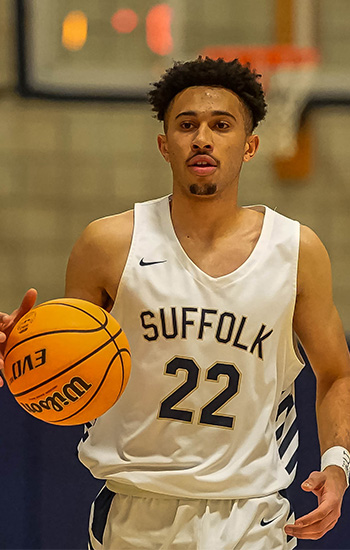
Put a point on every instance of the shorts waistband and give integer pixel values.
(132, 490)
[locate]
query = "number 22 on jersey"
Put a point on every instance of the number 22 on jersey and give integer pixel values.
(209, 411)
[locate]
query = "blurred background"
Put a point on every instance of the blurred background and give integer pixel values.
(78, 142)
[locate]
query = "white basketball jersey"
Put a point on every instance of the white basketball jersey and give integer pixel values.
(208, 411)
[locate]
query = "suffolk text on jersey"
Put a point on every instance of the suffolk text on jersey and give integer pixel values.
(222, 326)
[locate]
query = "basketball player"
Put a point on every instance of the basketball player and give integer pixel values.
(200, 449)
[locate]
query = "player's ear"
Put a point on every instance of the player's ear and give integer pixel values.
(251, 147)
(163, 146)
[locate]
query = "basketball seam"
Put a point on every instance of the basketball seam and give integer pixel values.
(118, 354)
(121, 360)
(81, 360)
(87, 331)
(63, 331)
(54, 303)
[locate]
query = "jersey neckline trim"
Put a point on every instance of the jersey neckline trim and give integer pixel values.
(250, 263)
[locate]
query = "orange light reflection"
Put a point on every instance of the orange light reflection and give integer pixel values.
(158, 29)
(74, 30)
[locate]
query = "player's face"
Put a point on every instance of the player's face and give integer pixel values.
(207, 140)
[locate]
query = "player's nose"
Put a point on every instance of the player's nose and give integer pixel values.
(202, 139)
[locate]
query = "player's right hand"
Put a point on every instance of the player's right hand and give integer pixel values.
(7, 322)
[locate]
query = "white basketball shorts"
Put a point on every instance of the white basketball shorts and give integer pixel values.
(125, 522)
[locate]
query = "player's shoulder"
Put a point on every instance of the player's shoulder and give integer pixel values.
(115, 229)
(121, 223)
(105, 238)
(310, 243)
(314, 262)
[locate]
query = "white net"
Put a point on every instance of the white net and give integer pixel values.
(289, 89)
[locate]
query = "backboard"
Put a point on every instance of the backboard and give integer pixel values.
(109, 50)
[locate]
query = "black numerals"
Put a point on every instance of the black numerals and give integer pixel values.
(167, 409)
(208, 413)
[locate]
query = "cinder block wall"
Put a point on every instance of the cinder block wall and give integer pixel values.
(65, 164)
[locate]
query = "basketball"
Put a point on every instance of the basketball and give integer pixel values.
(67, 361)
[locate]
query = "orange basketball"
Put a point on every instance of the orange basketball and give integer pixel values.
(67, 361)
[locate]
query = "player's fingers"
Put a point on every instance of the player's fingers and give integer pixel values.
(8, 321)
(314, 531)
(316, 522)
(314, 482)
(321, 512)
(6, 325)
(306, 522)
(4, 320)
(28, 302)
(1, 375)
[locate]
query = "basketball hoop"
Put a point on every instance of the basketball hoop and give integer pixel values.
(288, 74)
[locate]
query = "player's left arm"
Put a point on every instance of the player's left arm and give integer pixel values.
(317, 324)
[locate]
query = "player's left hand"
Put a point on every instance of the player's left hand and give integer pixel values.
(329, 486)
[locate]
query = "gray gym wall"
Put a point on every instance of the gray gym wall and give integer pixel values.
(63, 164)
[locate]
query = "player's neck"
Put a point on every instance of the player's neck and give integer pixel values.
(205, 218)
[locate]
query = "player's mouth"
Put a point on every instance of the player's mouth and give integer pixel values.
(202, 165)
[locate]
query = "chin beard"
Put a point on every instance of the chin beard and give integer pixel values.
(206, 189)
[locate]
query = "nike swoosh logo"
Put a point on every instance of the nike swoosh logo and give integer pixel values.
(142, 262)
(263, 523)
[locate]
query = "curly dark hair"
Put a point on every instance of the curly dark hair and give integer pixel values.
(232, 75)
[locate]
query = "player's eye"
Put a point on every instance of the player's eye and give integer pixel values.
(186, 125)
(222, 125)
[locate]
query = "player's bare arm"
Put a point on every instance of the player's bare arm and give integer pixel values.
(98, 258)
(320, 330)
(94, 270)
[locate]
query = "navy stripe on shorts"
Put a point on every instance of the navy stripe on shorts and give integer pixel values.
(102, 506)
